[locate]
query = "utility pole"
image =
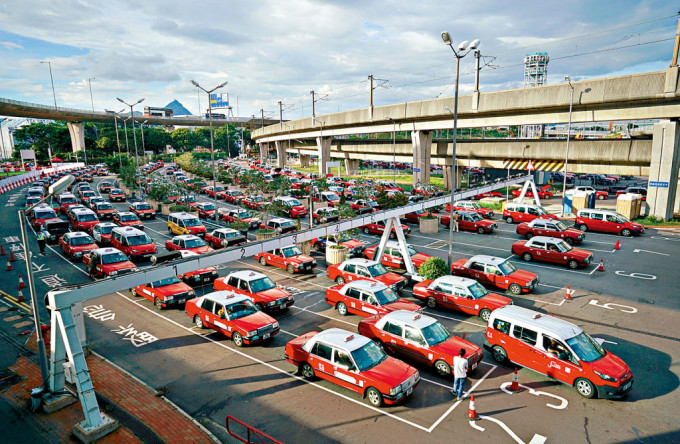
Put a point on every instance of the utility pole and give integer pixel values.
(313, 108)
(478, 55)
(674, 63)
(280, 115)
(370, 81)
(262, 120)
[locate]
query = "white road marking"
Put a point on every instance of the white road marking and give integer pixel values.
(647, 251)
(563, 402)
(612, 306)
(430, 312)
(551, 268)
(537, 439)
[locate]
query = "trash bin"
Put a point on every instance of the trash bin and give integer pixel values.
(568, 201)
(580, 201)
(591, 200)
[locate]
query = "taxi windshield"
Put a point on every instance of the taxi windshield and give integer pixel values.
(586, 348)
(240, 310)
(332, 196)
(208, 207)
(287, 223)
(294, 203)
(107, 229)
(116, 191)
(368, 356)
(168, 281)
(376, 270)
(261, 285)
(435, 333)
(385, 296)
(67, 199)
(219, 188)
(139, 239)
(128, 217)
(291, 251)
(564, 247)
(191, 222)
(541, 211)
(507, 268)
(475, 217)
(113, 258)
(194, 243)
(230, 234)
(244, 214)
(144, 206)
(477, 291)
(45, 214)
(474, 205)
(105, 206)
(81, 240)
(87, 217)
(560, 226)
(411, 251)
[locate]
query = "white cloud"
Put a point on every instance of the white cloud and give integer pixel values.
(10, 45)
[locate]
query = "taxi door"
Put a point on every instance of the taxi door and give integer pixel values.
(494, 277)
(523, 350)
(345, 371)
(392, 258)
(538, 250)
(276, 258)
(460, 301)
(553, 254)
(415, 344)
(558, 367)
(478, 272)
(352, 299)
(219, 319)
(597, 222)
(369, 304)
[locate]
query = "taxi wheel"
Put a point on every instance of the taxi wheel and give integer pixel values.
(263, 261)
(307, 371)
(134, 293)
(340, 280)
(342, 309)
(431, 302)
(583, 227)
(237, 338)
(585, 388)
(508, 219)
(367, 231)
(374, 397)
(626, 232)
(157, 303)
(569, 240)
(317, 246)
(499, 355)
(198, 322)
(442, 368)
(572, 264)
(485, 314)
(529, 235)
(169, 230)
(600, 197)
(393, 235)
(324, 220)
(290, 269)
(480, 230)
(515, 289)
(527, 257)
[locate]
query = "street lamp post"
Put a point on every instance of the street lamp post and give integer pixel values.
(141, 130)
(566, 156)
(91, 99)
(57, 188)
(134, 138)
(54, 95)
(394, 149)
(115, 122)
(127, 143)
(464, 49)
(212, 143)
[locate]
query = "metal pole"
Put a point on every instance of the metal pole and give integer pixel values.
(280, 115)
(141, 130)
(478, 55)
(54, 95)
(127, 144)
(566, 156)
(134, 138)
(453, 161)
(91, 99)
(674, 62)
(370, 80)
(394, 151)
(44, 373)
(212, 154)
(313, 109)
(120, 161)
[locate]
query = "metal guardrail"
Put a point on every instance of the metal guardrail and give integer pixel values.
(79, 293)
(251, 433)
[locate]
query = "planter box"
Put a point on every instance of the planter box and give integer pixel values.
(336, 255)
(429, 226)
(305, 247)
(259, 236)
(165, 209)
(154, 203)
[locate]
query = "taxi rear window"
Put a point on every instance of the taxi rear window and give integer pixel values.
(501, 326)
(525, 335)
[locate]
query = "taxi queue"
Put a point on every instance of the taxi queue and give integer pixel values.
(110, 242)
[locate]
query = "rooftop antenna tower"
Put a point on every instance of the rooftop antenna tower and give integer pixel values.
(535, 74)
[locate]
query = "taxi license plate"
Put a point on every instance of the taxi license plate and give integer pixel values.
(306, 267)
(206, 279)
(626, 386)
(266, 336)
(474, 366)
(409, 391)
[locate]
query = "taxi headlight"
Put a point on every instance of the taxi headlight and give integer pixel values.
(396, 390)
(275, 325)
(250, 334)
(605, 377)
(113, 273)
(314, 262)
(192, 293)
(271, 303)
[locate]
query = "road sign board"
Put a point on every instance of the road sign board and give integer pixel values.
(416, 170)
(658, 184)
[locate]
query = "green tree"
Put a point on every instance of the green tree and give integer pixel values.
(433, 268)
(185, 139)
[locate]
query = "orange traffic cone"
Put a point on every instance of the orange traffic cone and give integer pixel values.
(11, 256)
(567, 296)
(472, 413)
(21, 282)
(515, 382)
(2, 250)
(9, 266)
(601, 266)
(20, 297)
(618, 245)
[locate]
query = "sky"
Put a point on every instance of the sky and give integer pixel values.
(271, 51)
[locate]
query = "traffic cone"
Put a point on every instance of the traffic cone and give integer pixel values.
(472, 413)
(11, 256)
(515, 382)
(21, 282)
(567, 296)
(618, 245)
(601, 266)
(2, 250)
(20, 297)
(9, 266)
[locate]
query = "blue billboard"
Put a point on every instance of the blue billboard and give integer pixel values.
(219, 100)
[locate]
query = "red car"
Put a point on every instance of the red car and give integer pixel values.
(85, 195)
(550, 228)
(468, 205)
(107, 262)
(460, 294)
(541, 194)
(428, 191)
(102, 232)
(363, 269)
(206, 210)
(488, 194)
(66, 200)
(291, 207)
(392, 256)
(234, 316)
(496, 272)
(325, 215)
(143, 210)
(289, 258)
(420, 338)
(40, 214)
(165, 292)
(188, 242)
(116, 195)
(255, 202)
(134, 243)
(82, 219)
(414, 218)
(362, 206)
(469, 221)
(241, 215)
(103, 210)
(355, 247)
(224, 237)
(354, 362)
(127, 219)
(261, 290)
(234, 196)
(105, 188)
(76, 244)
(379, 228)
(219, 190)
(366, 298)
(552, 250)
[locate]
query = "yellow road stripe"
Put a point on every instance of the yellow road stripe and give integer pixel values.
(15, 301)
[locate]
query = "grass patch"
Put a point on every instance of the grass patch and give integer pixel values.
(496, 206)
(653, 221)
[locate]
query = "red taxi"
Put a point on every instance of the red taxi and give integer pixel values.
(224, 237)
(362, 206)
(325, 215)
(366, 298)
(541, 194)
(241, 215)
(392, 256)
(255, 202)
(383, 185)
(420, 338)
(116, 195)
(607, 221)
(496, 272)
(104, 210)
(289, 258)
(102, 232)
(414, 217)
(355, 247)
(40, 214)
(354, 362)
(488, 194)
(85, 195)
(212, 191)
(363, 269)
(188, 242)
(469, 221)
(468, 205)
(143, 210)
(206, 210)
(379, 228)
(107, 262)
(134, 243)
(165, 292)
(552, 250)
(234, 196)
(291, 206)
(520, 212)
(65, 200)
(460, 294)
(105, 187)
(234, 316)
(550, 228)
(261, 290)
(428, 190)
(195, 277)
(127, 219)
(76, 244)
(82, 219)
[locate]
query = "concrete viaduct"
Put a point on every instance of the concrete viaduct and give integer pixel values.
(654, 95)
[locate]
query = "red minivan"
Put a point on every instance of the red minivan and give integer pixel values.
(607, 221)
(519, 212)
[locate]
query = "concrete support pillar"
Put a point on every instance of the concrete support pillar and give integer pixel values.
(446, 169)
(422, 151)
(352, 167)
(323, 144)
(280, 154)
(264, 151)
(304, 160)
(663, 169)
(77, 132)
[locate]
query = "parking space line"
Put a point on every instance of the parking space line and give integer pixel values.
(324, 316)
(551, 268)
(289, 276)
(454, 319)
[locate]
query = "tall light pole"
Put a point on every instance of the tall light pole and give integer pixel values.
(566, 156)
(134, 136)
(394, 149)
(464, 49)
(212, 143)
(91, 99)
(127, 144)
(115, 122)
(141, 130)
(52, 80)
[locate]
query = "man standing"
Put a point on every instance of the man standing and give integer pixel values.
(460, 366)
(42, 240)
(455, 221)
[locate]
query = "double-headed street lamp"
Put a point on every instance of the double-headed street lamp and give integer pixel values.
(464, 49)
(52, 80)
(566, 156)
(115, 122)
(134, 136)
(212, 144)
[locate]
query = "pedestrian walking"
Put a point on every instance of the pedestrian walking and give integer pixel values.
(42, 240)
(460, 367)
(455, 221)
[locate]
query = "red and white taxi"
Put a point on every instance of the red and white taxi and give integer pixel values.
(255, 202)
(354, 362)
(104, 210)
(355, 247)
(143, 210)
(289, 258)
(241, 215)
(225, 237)
(552, 250)
(116, 195)
(379, 228)
(420, 338)
(234, 196)
(497, 272)
(102, 232)
(461, 294)
(363, 269)
(469, 221)
(366, 298)
(362, 206)
(40, 214)
(127, 219)
(76, 244)
(107, 262)
(234, 316)
(468, 205)
(550, 228)
(261, 290)
(188, 242)
(165, 293)
(134, 243)
(392, 256)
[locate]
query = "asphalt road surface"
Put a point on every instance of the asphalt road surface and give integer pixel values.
(632, 305)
